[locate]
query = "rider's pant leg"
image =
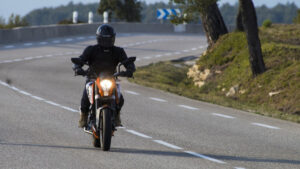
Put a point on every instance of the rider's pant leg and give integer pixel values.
(85, 103)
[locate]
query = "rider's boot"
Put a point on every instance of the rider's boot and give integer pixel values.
(83, 120)
(118, 119)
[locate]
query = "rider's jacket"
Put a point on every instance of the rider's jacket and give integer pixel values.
(106, 60)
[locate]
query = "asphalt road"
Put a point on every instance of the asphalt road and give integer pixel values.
(38, 116)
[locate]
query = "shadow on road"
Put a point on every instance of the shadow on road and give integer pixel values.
(160, 153)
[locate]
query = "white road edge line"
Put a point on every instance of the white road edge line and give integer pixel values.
(223, 115)
(205, 157)
(239, 168)
(132, 92)
(157, 99)
(138, 134)
(265, 125)
(167, 144)
(188, 107)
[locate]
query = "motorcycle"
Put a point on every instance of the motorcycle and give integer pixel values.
(104, 97)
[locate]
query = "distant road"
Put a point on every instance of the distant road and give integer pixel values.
(38, 116)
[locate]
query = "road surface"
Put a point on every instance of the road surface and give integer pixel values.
(39, 112)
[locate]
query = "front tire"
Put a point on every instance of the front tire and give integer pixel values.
(105, 130)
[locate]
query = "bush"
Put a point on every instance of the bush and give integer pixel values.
(297, 19)
(267, 23)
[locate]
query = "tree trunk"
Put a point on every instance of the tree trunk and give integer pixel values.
(251, 30)
(239, 21)
(213, 23)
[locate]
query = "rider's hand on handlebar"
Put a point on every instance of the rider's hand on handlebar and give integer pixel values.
(80, 71)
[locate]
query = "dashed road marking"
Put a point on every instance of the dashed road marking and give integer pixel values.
(9, 46)
(188, 107)
(131, 92)
(157, 99)
(43, 43)
(56, 41)
(239, 168)
(69, 40)
(205, 157)
(138, 133)
(167, 144)
(27, 44)
(265, 125)
(223, 115)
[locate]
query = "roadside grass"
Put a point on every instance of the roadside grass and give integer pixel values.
(230, 57)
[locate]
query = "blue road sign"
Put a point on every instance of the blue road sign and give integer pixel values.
(166, 13)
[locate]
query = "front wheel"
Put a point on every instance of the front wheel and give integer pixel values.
(105, 129)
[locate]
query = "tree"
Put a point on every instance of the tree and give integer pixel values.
(210, 15)
(128, 10)
(251, 29)
(297, 19)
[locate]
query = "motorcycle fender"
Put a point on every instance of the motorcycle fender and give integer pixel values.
(98, 113)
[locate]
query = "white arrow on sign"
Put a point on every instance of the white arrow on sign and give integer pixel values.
(160, 14)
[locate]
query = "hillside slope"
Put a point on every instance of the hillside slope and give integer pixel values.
(223, 76)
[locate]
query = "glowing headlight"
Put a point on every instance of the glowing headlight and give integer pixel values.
(105, 85)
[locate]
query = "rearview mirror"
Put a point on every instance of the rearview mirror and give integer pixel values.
(129, 60)
(77, 61)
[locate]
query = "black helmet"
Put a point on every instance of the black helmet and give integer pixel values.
(106, 35)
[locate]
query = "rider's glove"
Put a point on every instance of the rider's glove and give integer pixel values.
(80, 71)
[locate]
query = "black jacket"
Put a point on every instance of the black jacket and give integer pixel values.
(102, 59)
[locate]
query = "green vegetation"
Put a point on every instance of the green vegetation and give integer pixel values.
(267, 23)
(13, 21)
(125, 10)
(228, 61)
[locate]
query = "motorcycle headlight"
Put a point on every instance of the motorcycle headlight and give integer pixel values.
(106, 85)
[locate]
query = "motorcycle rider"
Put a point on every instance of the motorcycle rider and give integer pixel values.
(103, 56)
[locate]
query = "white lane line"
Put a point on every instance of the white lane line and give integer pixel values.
(131, 92)
(37, 98)
(194, 49)
(56, 41)
(27, 44)
(265, 125)
(186, 51)
(168, 54)
(205, 157)
(17, 60)
(68, 108)
(25, 93)
(157, 99)
(167, 144)
(138, 134)
(28, 58)
(177, 53)
(6, 61)
(9, 46)
(43, 43)
(157, 56)
(69, 40)
(239, 168)
(80, 38)
(188, 107)
(52, 103)
(223, 115)
(147, 57)
(48, 55)
(37, 57)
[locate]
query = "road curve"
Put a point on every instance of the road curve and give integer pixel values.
(40, 97)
